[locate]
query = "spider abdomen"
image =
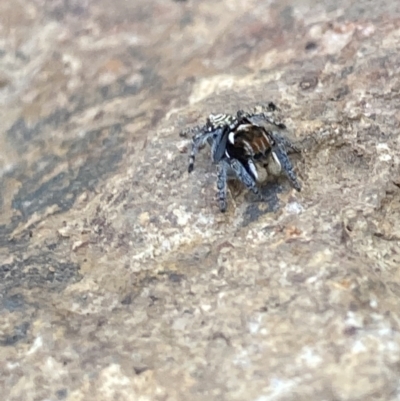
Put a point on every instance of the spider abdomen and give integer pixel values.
(254, 141)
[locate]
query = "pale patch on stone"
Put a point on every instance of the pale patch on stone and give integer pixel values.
(373, 303)
(205, 307)
(294, 208)
(183, 146)
(144, 218)
(320, 258)
(273, 58)
(354, 320)
(78, 244)
(334, 42)
(180, 324)
(391, 39)
(383, 150)
(366, 30)
(113, 384)
(12, 365)
(309, 357)
(166, 245)
(6, 169)
(107, 78)
(38, 343)
(72, 64)
(147, 253)
(135, 80)
(277, 389)
(385, 158)
(213, 85)
(242, 359)
(358, 347)
(169, 155)
(382, 146)
(255, 324)
(183, 217)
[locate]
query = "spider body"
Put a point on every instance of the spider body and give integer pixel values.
(237, 143)
(259, 138)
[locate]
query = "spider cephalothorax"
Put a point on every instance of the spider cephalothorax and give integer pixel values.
(215, 132)
(238, 142)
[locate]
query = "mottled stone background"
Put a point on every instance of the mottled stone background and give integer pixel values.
(120, 279)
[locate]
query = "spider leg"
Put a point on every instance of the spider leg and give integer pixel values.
(240, 114)
(185, 132)
(285, 142)
(218, 144)
(280, 156)
(198, 140)
(221, 185)
(243, 174)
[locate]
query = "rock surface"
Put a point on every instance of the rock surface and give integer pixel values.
(120, 279)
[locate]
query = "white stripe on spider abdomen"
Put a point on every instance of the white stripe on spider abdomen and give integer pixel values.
(254, 140)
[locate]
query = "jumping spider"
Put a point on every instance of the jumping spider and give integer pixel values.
(238, 142)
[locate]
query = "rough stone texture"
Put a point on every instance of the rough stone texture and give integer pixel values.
(120, 279)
